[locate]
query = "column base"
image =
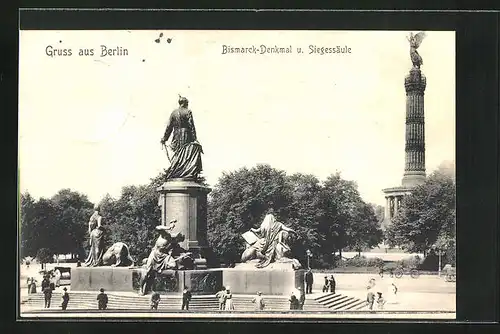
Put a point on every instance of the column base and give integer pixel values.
(413, 179)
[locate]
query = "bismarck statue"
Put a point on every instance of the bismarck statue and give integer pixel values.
(166, 254)
(268, 244)
(415, 41)
(186, 159)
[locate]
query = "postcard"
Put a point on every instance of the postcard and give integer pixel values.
(237, 174)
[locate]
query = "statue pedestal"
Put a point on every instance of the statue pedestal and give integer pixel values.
(186, 201)
(109, 278)
(114, 279)
(276, 279)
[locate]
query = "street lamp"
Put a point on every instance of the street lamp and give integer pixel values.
(309, 255)
(440, 253)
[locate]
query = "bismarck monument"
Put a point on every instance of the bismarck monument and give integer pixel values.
(183, 197)
(414, 173)
(180, 256)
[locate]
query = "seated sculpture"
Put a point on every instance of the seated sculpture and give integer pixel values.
(270, 245)
(166, 254)
(118, 255)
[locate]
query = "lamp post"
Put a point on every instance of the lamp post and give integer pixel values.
(309, 255)
(440, 253)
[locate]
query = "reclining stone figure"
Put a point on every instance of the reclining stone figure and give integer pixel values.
(118, 255)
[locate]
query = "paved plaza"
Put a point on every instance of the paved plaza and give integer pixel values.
(426, 297)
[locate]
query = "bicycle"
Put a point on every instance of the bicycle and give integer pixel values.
(399, 272)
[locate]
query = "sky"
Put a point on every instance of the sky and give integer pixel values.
(93, 124)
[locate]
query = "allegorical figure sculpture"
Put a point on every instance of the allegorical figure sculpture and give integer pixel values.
(268, 243)
(166, 254)
(96, 240)
(186, 159)
(118, 255)
(415, 41)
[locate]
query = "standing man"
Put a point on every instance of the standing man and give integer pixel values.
(47, 292)
(102, 300)
(221, 296)
(332, 284)
(65, 298)
(309, 281)
(186, 298)
(45, 282)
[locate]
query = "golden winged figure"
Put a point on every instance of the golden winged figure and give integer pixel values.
(415, 41)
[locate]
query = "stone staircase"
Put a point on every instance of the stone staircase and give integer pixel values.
(338, 302)
(207, 303)
(88, 300)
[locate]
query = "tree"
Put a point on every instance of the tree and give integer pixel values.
(348, 221)
(44, 255)
(27, 225)
(379, 213)
(44, 231)
(428, 214)
(239, 201)
(132, 218)
(304, 215)
(73, 211)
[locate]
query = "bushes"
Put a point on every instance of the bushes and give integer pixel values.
(413, 262)
(361, 261)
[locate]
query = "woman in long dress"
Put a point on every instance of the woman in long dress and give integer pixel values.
(96, 232)
(229, 305)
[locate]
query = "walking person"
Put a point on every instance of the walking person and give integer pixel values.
(102, 300)
(332, 284)
(47, 292)
(228, 304)
(32, 286)
(57, 277)
(309, 280)
(370, 298)
(186, 298)
(325, 285)
(221, 297)
(259, 302)
(29, 281)
(65, 299)
(45, 282)
(392, 293)
(155, 300)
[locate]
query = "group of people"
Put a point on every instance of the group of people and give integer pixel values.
(186, 298)
(51, 279)
(225, 298)
(329, 285)
(380, 300)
